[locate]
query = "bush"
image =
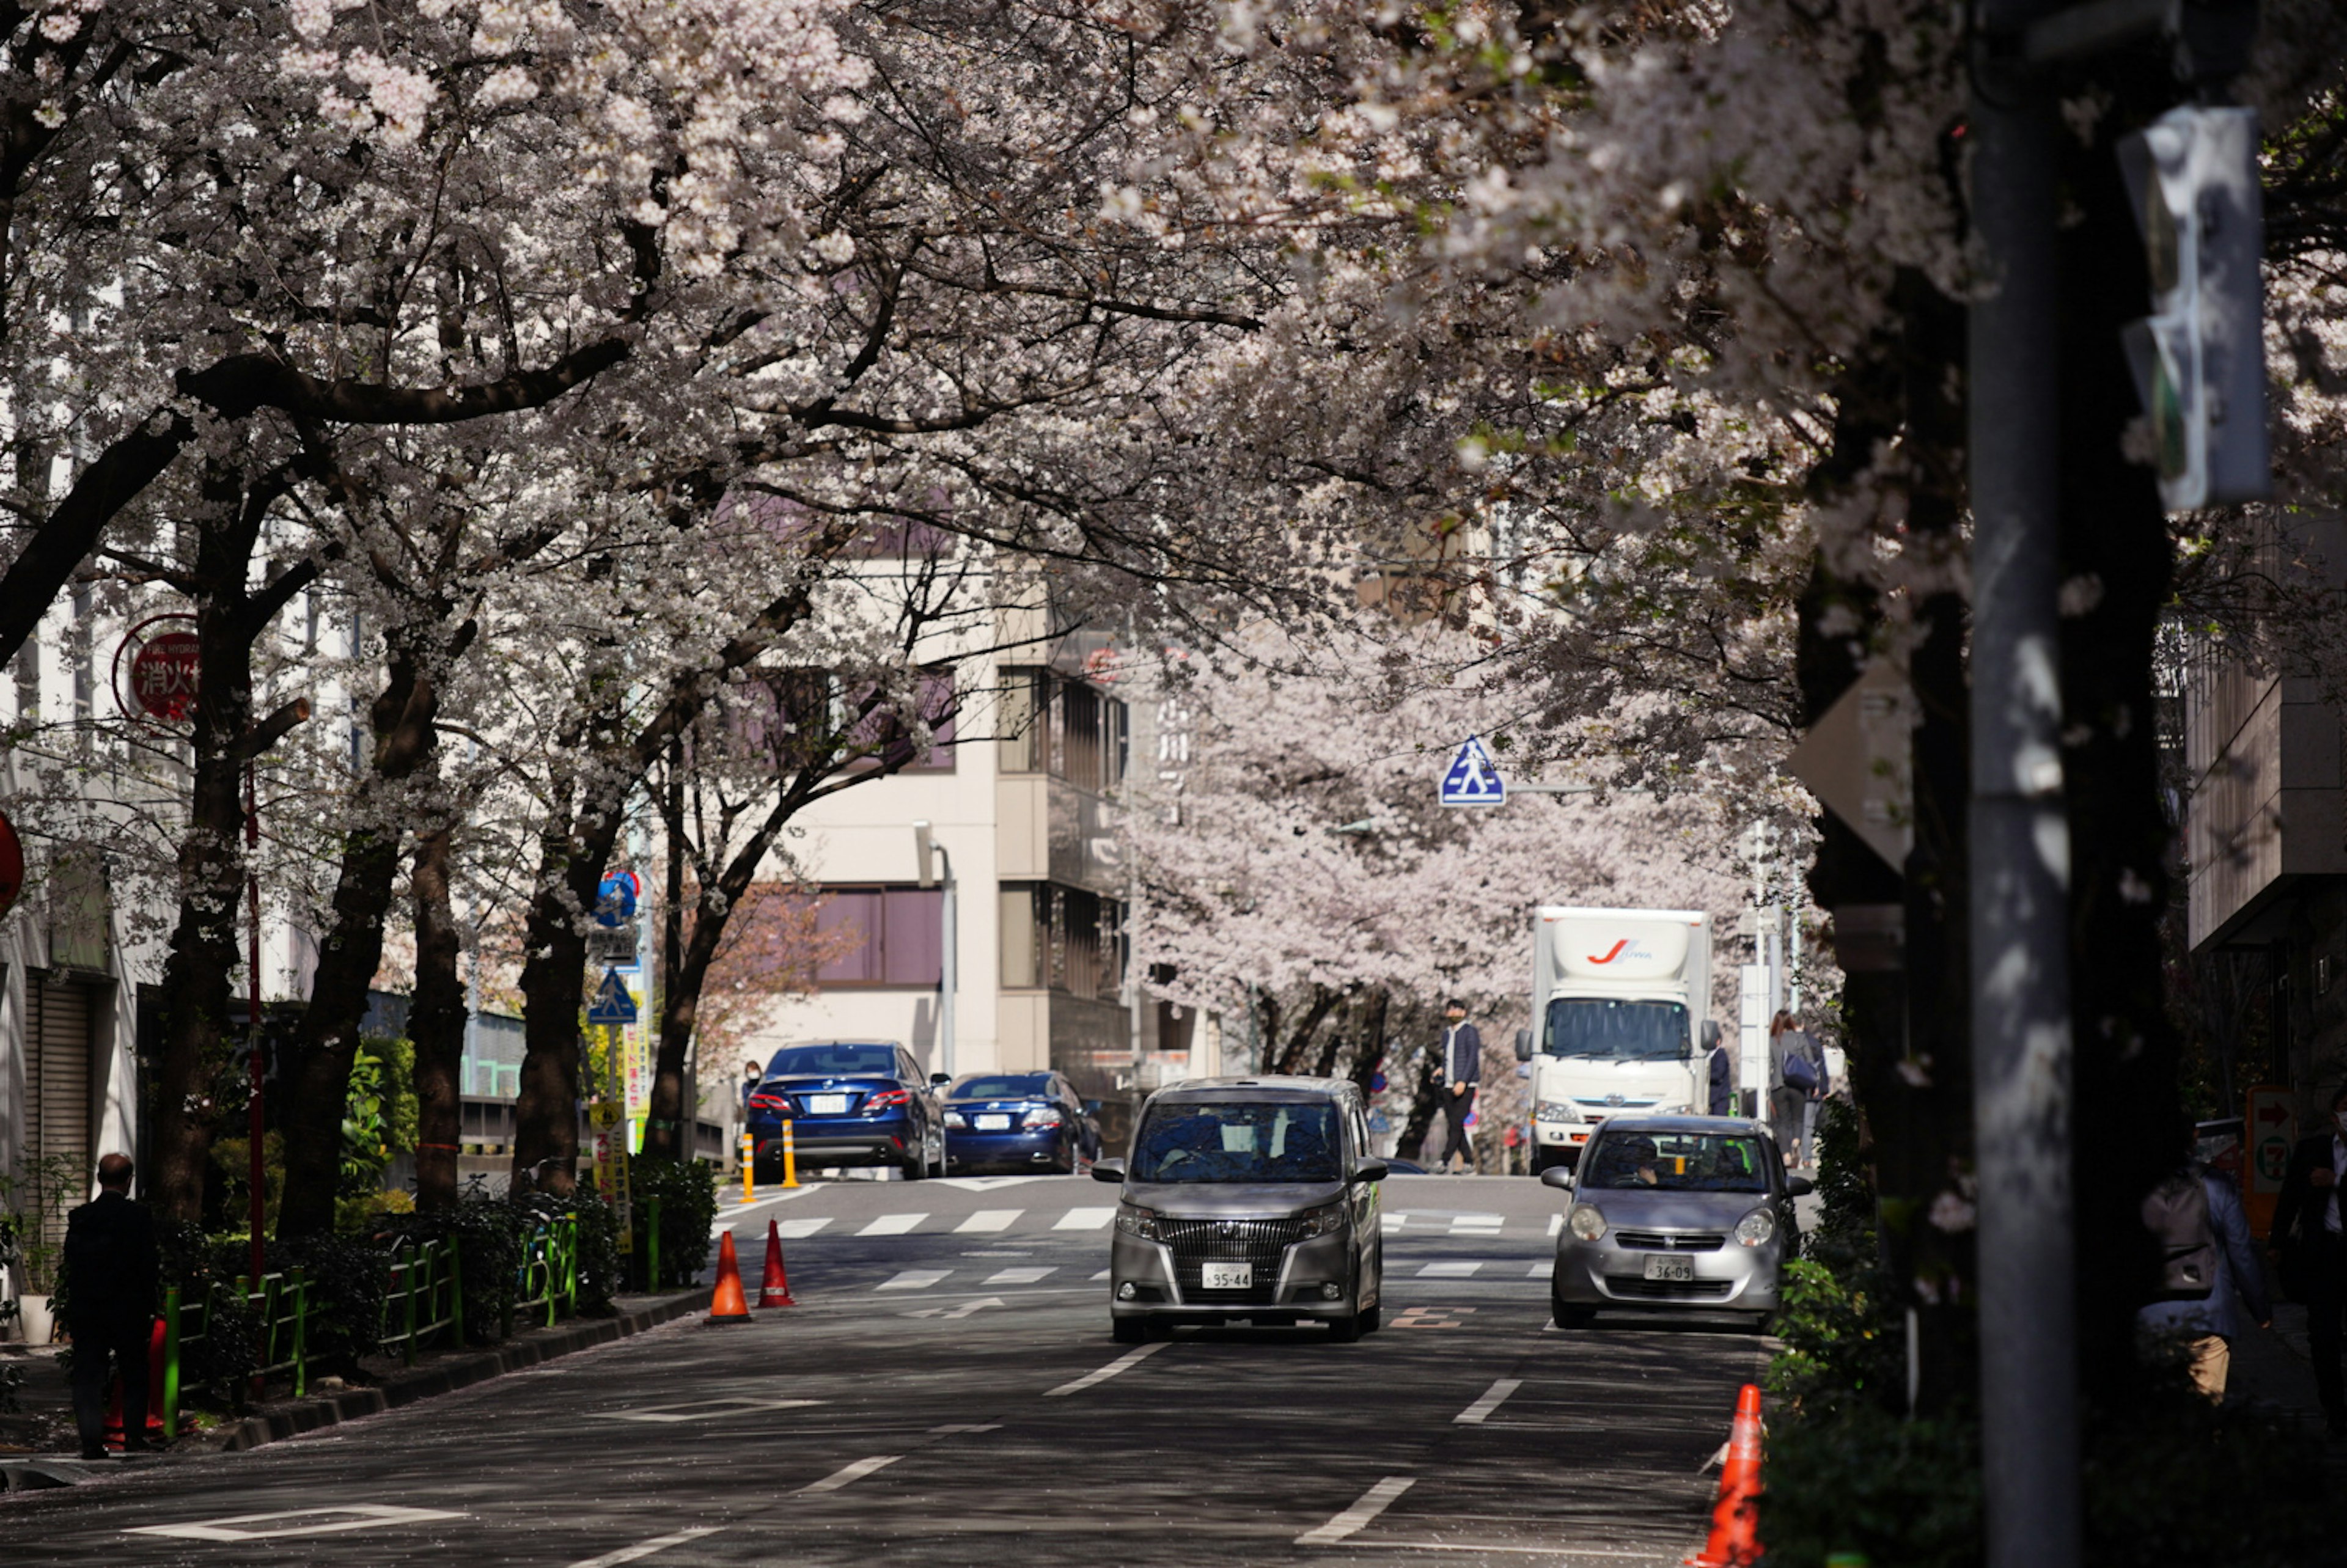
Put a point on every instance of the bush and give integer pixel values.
(688, 1193)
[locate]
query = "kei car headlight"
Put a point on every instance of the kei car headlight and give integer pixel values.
(1140, 1222)
(1557, 1111)
(1755, 1227)
(1326, 1220)
(1586, 1223)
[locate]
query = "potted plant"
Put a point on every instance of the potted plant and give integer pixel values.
(39, 1193)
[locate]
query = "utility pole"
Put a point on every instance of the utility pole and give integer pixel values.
(2019, 836)
(925, 845)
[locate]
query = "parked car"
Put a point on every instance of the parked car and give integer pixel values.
(850, 1102)
(1674, 1211)
(1247, 1198)
(1018, 1121)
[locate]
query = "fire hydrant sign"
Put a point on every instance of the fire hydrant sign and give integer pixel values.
(2267, 1132)
(163, 675)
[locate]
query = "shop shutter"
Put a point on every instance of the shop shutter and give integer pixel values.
(57, 1081)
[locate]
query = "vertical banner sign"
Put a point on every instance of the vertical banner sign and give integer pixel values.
(612, 1010)
(636, 1053)
(2267, 1133)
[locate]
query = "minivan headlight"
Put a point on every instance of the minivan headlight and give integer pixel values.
(1586, 1223)
(1755, 1227)
(1557, 1111)
(1326, 1220)
(1134, 1220)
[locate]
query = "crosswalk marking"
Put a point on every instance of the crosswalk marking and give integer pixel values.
(799, 1230)
(1555, 1223)
(915, 1279)
(892, 1224)
(1544, 1269)
(1449, 1270)
(1475, 1224)
(987, 1220)
(1100, 1275)
(1021, 1275)
(1085, 1220)
(1389, 1224)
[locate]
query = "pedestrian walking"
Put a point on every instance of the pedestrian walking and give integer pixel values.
(752, 1076)
(1462, 1071)
(1796, 1071)
(1722, 1101)
(2206, 1259)
(109, 1269)
(2306, 1230)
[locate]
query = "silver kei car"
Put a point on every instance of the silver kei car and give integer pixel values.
(1250, 1198)
(1675, 1211)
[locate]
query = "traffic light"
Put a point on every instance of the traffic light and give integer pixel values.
(2200, 357)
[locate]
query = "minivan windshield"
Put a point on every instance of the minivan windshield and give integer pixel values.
(1676, 1162)
(1607, 1026)
(807, 1061)
(1215, 1141)
(1022, 1085)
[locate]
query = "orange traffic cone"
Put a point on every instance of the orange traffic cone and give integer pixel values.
(155, 1432)
(1734, 1523)
(727, 1304)
(774, 1290)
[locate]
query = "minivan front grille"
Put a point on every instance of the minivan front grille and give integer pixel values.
(1261, 1243)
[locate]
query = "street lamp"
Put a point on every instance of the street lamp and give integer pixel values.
(939, 874)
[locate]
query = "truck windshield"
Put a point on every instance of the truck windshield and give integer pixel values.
(1619, 1030)
(1211, 1141)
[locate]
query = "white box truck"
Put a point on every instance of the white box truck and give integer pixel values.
(1621, 1020)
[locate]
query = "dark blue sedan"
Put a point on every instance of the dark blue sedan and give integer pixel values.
(1018, 1121)
(850, 1102)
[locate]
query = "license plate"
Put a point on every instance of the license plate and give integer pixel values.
(827, 1104)
(993, 1123)
(1227, 1277)
(1660, 1268)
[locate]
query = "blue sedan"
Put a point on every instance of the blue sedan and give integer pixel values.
(849, 1102)
(1018, 1121)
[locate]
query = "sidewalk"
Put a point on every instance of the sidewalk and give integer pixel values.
(38, 1446)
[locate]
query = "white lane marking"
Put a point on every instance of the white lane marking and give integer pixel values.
(799, 1230)
(1374, 1502)
(1494, 1398)
(646, 1548)
(1105, 1373)
(1104, 1274)
(987, 1220)
(1085, 1219)
(892, 1224)
(1555, 1223)
(1557, 1553)
(1023, 1275)
(1544, 1269)
(1389, 1224)
(846, 1474)
(1449, 1270)
(348, 1516)
(986, 1183)
(964, 1311)
(1476, 1224)
(915, 1280)
(951, 1427)
(702, 1410)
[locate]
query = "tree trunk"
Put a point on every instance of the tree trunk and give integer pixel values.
(435, 1023)
(553, 986)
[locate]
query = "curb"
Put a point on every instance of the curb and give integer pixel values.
(332, 1410)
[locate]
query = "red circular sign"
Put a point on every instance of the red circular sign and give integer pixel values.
(12, 864)
(163, 675)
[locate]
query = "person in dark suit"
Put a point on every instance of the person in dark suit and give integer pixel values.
(1463, 1069)
(110, 1269)
(2307, 1231)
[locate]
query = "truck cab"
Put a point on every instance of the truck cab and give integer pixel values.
(1620, 1005)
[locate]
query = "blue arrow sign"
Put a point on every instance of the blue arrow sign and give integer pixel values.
(613, 1004)
(615, 898)
(1473, 778)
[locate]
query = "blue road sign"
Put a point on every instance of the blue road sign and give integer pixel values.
(613, 1003)
(615, 899)
(1473, 778)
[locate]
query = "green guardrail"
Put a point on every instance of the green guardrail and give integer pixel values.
(184, 1324)
(547, 1280)
(281, 1303)
(423, 1299)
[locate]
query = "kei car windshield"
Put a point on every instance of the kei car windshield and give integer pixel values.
(1218, 1141)
(1621, 1031)
(1018, 1086)
(832, 1061)
(1676, 1162)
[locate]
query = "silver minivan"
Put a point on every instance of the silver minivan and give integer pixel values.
(1247, 1198)
(1675, 1211)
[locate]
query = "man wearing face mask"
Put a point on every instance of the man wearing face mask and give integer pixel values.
(2307, 1230)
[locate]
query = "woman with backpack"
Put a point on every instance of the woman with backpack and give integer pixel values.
(1796, 1077)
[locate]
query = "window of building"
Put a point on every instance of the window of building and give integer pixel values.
(1063, 939)
(1050, 724)
(881, 936)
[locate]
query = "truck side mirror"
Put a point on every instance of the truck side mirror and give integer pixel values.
(1710, 1035)
(1524, 1045)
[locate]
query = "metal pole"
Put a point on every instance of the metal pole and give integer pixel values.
(255, 1120)
(2020, 845)
(947, 978)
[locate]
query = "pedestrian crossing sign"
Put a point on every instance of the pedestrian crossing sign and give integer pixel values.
(613, 1003)
(1473, 777)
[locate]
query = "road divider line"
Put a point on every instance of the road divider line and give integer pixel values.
(1371, 1504)
(1494, 1398)
(1449, 1270)
(985, 1221)
(1105, 1373)
(846, 1475)
(1085, 1220)
(646, 1548)
(1027, 1275)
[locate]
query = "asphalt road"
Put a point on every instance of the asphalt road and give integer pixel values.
(947, 1393)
